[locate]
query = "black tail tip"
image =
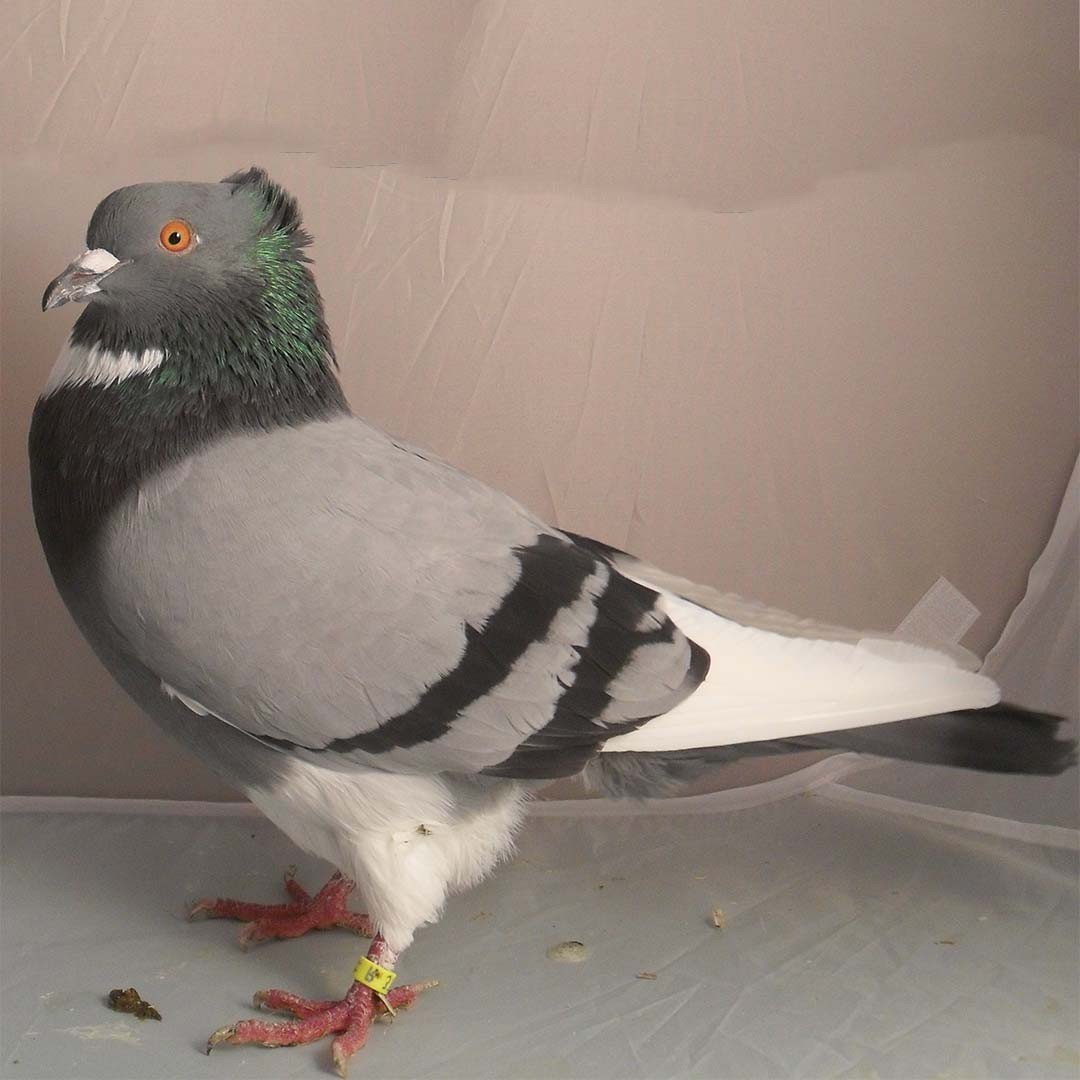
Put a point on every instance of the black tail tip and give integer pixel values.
(1002, 738)
(1021, 741)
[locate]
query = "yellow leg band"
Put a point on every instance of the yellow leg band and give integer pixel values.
(369, 973)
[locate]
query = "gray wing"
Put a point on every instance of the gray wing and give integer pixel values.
(345, 597)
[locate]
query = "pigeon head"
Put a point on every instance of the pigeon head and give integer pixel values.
(202, 320)
(155, 250)
(206, 274)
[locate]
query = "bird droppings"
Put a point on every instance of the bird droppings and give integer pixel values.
(716, 917)
(568, 952)
(129, 1001)
(650, 975)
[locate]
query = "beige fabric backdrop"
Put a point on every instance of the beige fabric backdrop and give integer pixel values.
(779, 295)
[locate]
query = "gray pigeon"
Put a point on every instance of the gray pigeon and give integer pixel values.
(384, 654)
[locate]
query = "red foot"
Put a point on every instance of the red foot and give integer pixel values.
(323, 911)
(349, 1018)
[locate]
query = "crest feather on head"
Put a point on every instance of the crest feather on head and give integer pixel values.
(281, 210)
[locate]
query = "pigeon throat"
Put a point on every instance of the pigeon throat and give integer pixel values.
(257, 332)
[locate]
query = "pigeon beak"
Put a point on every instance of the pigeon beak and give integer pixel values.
(82, 278)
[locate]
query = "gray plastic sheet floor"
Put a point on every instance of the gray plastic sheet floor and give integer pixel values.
(857, 942)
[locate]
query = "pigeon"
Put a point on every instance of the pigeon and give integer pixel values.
(385, 655)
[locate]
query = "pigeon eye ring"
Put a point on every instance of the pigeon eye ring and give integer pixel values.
(177, 236)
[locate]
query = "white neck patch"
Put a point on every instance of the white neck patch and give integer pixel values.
(98, 366)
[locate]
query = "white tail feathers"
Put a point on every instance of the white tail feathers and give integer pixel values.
(767, 685)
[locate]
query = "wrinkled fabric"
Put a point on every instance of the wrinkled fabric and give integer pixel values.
(858, 941)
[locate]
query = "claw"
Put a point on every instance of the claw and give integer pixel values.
(223, 1034)
(198, 910)
(341, 1063)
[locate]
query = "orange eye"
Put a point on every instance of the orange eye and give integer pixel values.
(175, 236)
